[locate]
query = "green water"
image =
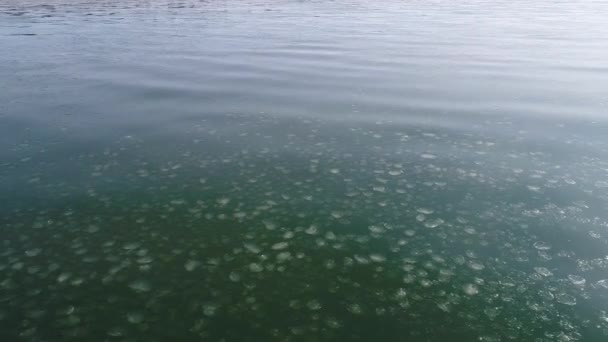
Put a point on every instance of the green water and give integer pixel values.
(303, 171)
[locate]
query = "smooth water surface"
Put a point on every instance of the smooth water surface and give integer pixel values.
(282, 170)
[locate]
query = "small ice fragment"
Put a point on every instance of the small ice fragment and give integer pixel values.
(255, 267)
(140, 285)
(314, 305)
(135, 317)
(565, 299)
(92, 229)
(542, 246)
(280, 245)
(33, 252)
(355, 309)
(253, 248)
(543, 271)
(131, 246)
(312, 230)
(377, 258)
(476, 265)
(376, 229)
(235, 277)
(577, 280)
(425, 211)
(63, 277)
(191, 265)
(283, 256)
(470, 289)
(602, 283)
(209, 309)
(433, 223)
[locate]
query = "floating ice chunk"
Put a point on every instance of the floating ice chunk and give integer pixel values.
(314, 305)
(255, 267)
(444, 306)
(68, 310)
(280, 245)
(377, 257)
(234, 276)
(337, 214)
(546, 295)
(330, 236)
(253, 248)
(565, 299)
(334, 171)
(545, 255)
(476, 265)
(542, 246)
(135, 317)
(223, 201)
(446, 272)
(433, 223)
(602, 283)
(145, 260)
(33, 252)
(283, 256)
(469, 230)
(269, 225)
(395, 172)
(77, 282)
(63, 277)
(355, 309)
(330, 264)
(376, 229)
(401, 293)
(577, 280)
(543, 271)
(470, 289)
(209, 309)
(333, 323)
(603, 316)
(140, 285)
(425, 282)
(361, 259)
(409, 232)
(425, 211)
(116, 332)
(409, 278)
(191, 265)
(92, 229)
(428, 156)
(131, 246)
(312, 230)
(492, 313)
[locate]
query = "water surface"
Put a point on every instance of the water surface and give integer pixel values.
(303, 170)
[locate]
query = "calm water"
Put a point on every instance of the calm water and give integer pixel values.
(282, 170)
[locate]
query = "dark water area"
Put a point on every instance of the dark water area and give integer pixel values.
(342, 170)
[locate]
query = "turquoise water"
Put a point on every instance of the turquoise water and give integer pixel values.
(303, 170)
